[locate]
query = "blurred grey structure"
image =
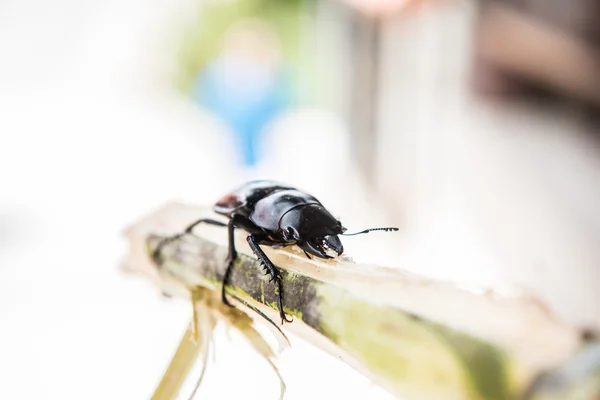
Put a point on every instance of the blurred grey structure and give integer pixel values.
(489, 186)
(365, 37)
(549, 48)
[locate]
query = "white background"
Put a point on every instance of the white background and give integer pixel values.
(90, 141)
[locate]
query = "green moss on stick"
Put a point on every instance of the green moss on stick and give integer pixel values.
(412, 352)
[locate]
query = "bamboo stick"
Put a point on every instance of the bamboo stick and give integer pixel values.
(417, 338)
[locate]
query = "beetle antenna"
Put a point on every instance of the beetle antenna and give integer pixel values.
(370, 230)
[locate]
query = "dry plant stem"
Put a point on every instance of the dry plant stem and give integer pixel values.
(178, 370)
(417, 338)
(195, 341)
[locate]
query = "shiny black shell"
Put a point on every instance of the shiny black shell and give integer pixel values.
(264, 203)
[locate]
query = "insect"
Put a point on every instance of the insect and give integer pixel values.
(277, 215)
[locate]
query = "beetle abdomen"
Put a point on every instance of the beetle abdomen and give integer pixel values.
(247, 195)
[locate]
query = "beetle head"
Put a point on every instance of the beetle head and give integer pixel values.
(314, 230)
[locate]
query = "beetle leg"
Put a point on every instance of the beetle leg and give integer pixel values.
(157, 251)
(159, 247)
(262, 257)
(230, 258)
(307, 255)
(206, 221)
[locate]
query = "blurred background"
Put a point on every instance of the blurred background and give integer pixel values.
(471, 125)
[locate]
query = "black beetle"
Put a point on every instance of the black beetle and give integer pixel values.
(275, 215)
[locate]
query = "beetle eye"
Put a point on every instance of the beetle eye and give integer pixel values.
(288, 233)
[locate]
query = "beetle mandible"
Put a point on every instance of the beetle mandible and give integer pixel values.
(277, 215)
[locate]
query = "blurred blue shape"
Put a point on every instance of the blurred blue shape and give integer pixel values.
(245, 94)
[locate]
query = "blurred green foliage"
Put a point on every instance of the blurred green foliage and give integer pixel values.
(290, 19)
